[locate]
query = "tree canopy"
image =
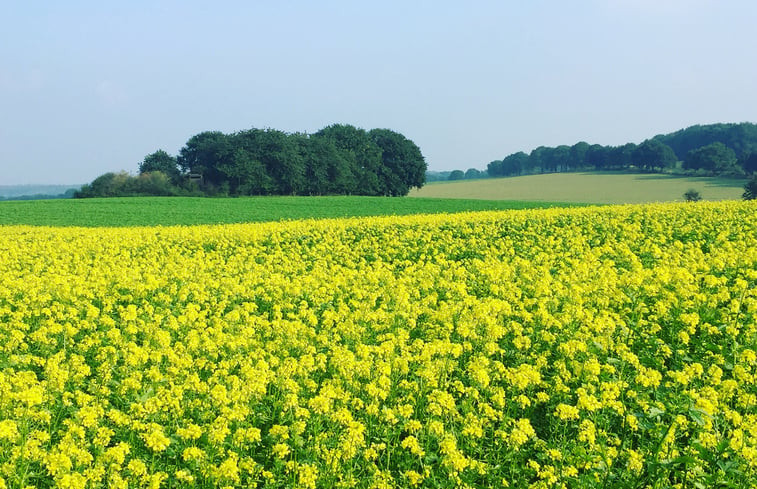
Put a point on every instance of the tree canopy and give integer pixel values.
(338, 159)
(652, 155)
(715, 157)
(715, 149)
(162, 162)
(741, 138)
(403, 165)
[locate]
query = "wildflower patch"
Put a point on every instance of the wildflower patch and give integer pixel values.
(589, 347)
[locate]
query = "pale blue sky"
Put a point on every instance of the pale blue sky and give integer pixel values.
(89, 86)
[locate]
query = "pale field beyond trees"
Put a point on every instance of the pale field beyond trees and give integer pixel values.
(590, 188)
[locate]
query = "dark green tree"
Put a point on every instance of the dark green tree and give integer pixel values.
(741, 138)
(692, 195)
(362, 153)
(748, 162)
(327, 169)
(338, 159)
(652, 154)
(598, 156)
(621, 157)
(279, 154)
(403, 165)
(456, 175)
(515, 164)
(246, 175)
(560, 158)
(750, 189)
(162, 162)
(715, 157)
(495, 168)
(537, 160)
(314, 164)
(578, 155)
(203, 154)
(548, 159)
(552, 159)
(473, 173)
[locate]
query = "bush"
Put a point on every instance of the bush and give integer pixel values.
(122, 184)
(153, 183)
(692, 195)
(106, 185)
(750, 189)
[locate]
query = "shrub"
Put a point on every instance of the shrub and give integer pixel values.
(692, 195)
(750, 189)
(122, 184)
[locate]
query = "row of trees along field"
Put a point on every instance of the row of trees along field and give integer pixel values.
(707, 150)
(338, 159)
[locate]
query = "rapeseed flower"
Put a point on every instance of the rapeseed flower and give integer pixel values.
(551, 348)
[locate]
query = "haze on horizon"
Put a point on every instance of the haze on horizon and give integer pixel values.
(90, 87)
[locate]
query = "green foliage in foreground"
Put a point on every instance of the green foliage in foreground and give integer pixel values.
(166, 211)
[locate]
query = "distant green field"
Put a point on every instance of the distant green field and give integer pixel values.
(594, 188)
(166, 211)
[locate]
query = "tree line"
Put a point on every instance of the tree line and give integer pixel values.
(340, 159)
(705, 150)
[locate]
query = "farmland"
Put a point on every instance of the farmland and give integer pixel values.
(586, 347)
(594, 188)
(166, 211)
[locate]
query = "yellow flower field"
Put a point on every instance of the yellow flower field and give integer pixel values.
(574, 348)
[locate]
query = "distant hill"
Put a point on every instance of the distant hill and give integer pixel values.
(31, 192)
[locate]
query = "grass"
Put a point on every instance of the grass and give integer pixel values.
(165, 211)
(593, 188)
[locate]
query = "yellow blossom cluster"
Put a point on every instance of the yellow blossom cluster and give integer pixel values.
(585, 347)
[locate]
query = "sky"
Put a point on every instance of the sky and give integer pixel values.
(88, 87)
